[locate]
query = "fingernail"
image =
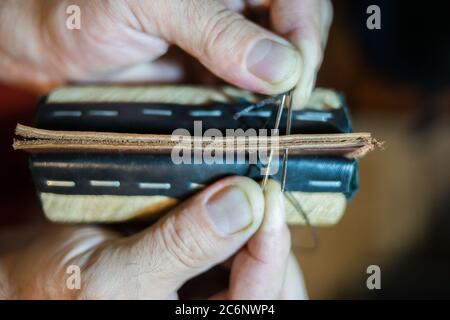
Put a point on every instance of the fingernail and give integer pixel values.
(230, 210)
(271, 61)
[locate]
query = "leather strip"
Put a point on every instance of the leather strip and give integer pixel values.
(39, 140)
(151, 174)
(123, 149)
(163, 118)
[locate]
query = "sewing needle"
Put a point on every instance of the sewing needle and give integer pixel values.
(286, 151)
(277, 125)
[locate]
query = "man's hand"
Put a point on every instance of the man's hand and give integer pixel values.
(232, 218)
(119, 39)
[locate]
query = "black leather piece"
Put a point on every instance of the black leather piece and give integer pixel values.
(136, 174)
(165, 118)
(147, 174)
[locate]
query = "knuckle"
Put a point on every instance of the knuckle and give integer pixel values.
(184, 245)
(218, 30)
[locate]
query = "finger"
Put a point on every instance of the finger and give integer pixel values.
(235, 5)
(230, 46)
(294, 285)
(327, 19)
(324, 99)
(51, 249)
(26, 76)
(306, 24)
(259, 269)
(201, 233)
(159, 71)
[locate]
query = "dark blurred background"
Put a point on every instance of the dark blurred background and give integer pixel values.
(397, 84)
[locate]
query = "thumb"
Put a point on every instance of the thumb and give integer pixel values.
(230, 46)
(202, 232)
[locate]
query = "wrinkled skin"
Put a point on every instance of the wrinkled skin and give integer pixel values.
(123, 40)
(156, 262)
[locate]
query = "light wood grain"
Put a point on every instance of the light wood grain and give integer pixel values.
(322, 208)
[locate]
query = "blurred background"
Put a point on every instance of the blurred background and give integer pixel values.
(397, 84)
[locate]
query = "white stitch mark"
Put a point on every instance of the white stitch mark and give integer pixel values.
(104, 183)
(262, 114)
(103, 113)
(205, 113)
(61, 113)
(154, 185)
(60, 183)
(194, 185)
(314, 116)
(157, 112)
(325, 184)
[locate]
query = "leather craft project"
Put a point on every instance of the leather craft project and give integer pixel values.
(104, 154)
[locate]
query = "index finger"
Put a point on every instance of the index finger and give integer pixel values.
(306, 24)
(258, 270)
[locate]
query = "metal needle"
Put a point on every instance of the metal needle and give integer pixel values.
(286, 151)
(277, 125)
